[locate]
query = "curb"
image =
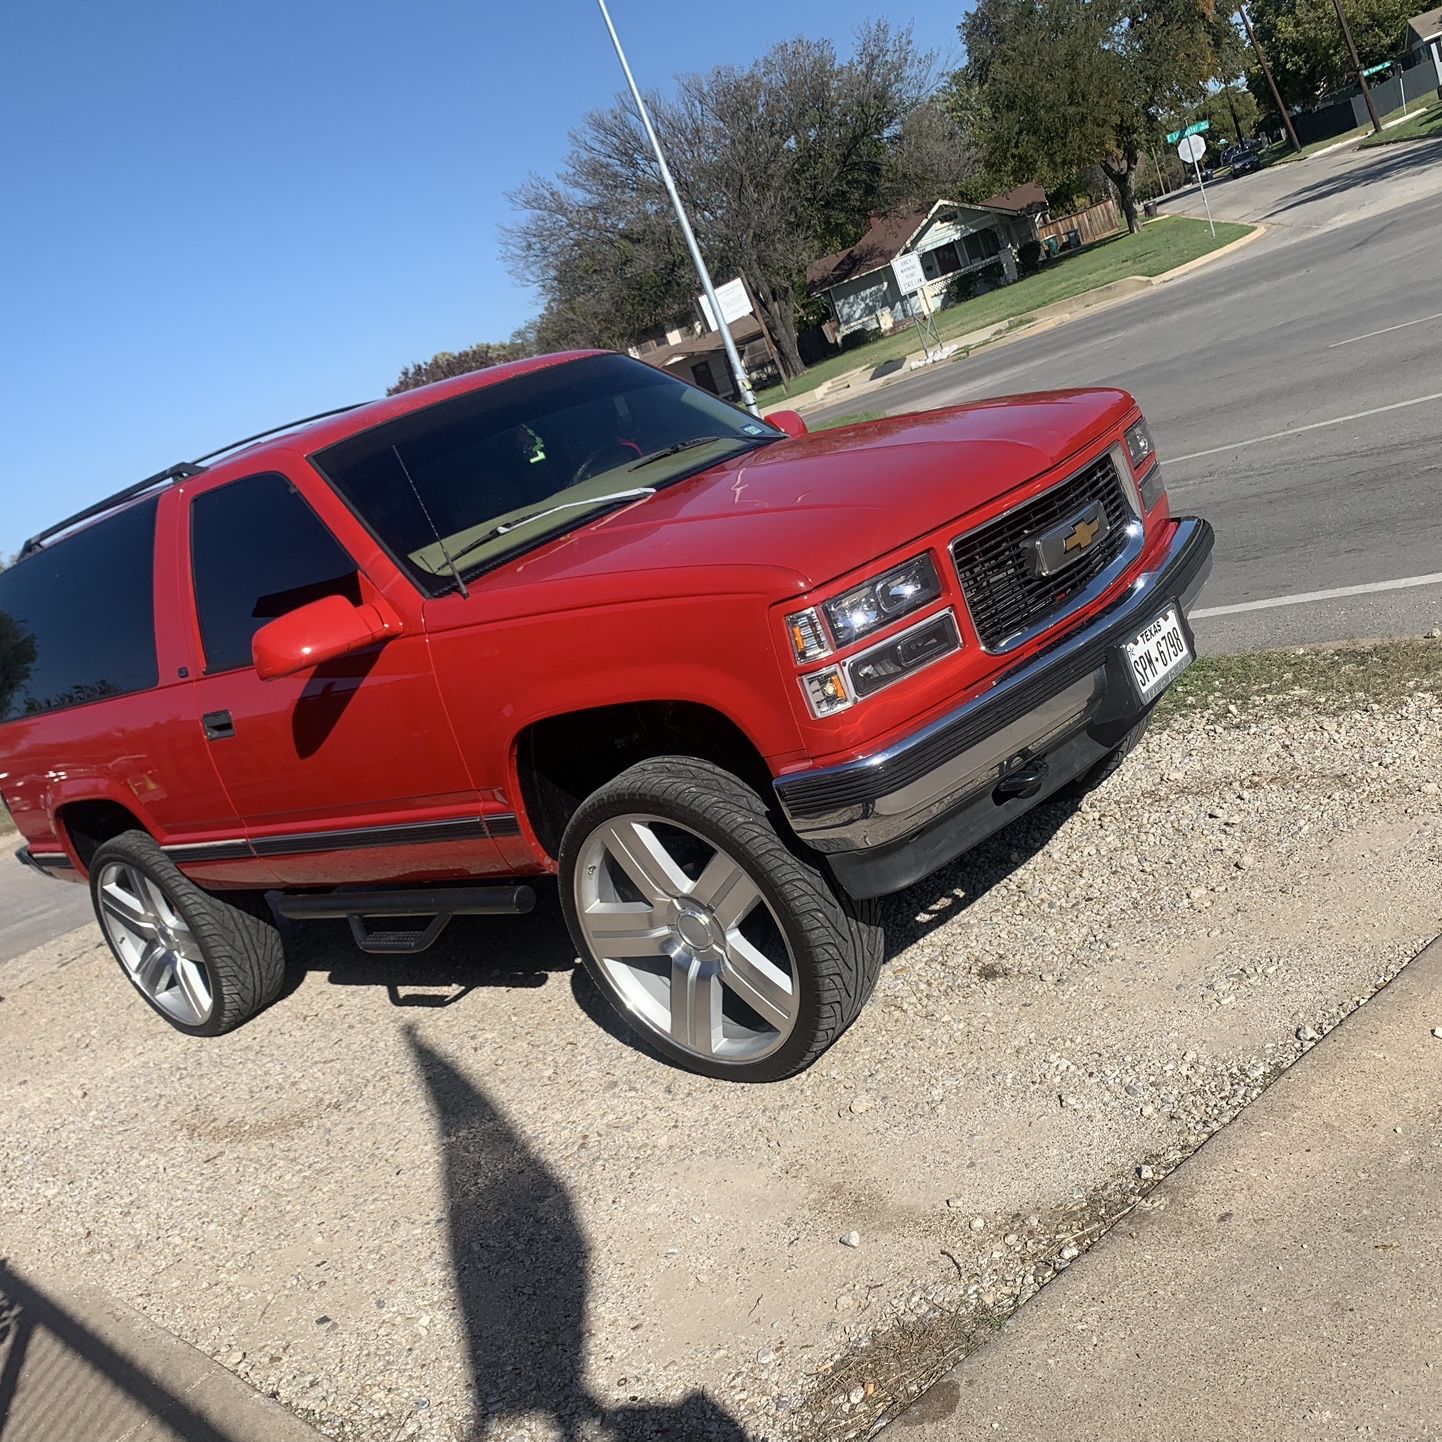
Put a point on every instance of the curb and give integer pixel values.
(1257, 230)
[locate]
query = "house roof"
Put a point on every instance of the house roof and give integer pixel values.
(1426, 25)
(889, 235)
(743, 332)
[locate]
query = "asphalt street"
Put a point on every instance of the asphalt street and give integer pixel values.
(1295, 391)
(35, 909)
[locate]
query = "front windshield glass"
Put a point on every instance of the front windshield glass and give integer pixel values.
(494, 471)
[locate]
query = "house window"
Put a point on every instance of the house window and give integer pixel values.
(944, 260)
(981, 245)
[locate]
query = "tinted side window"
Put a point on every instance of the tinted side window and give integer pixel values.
(258, 551)
(77, 619)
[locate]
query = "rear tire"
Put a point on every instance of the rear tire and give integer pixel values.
(204, 962)
(727, 951)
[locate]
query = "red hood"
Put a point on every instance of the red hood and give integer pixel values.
(818, 506)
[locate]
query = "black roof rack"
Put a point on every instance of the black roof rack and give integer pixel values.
(178, 472)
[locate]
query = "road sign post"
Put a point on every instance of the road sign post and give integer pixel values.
(911, 280)
(1192, 148)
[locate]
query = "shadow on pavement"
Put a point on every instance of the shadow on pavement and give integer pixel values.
(945, 894)
(472, 953)
(75, 1385)
(521, 1263)
(1387, 167)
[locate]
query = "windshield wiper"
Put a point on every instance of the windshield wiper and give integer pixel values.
(677, 449)
(505, 527)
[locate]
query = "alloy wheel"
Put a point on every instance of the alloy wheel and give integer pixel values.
(156, 946)
(681, 930)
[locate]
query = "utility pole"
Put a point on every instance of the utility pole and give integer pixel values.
(743, 386)
(1272, 84)
(1357, 66)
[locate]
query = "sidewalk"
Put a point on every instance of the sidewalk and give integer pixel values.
(75, 1367)
(1287, 1289)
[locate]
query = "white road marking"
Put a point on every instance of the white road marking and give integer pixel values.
(1298, 430)
(1301, 598)
(1386, 330)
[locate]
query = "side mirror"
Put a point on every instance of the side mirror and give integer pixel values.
(788, 421)
(317, 632)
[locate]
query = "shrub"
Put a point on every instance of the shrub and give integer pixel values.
(1029, 257)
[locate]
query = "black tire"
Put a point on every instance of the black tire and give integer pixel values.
(835, 941)
(239, 943)
(1108, 766)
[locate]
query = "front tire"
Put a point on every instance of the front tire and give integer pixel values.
(204, 962)
(729, 953)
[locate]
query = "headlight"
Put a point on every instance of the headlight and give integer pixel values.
(897, 592)
(1140, 446)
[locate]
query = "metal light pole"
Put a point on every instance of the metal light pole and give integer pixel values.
(1267, 71)
(1357, 66)
(748, 397)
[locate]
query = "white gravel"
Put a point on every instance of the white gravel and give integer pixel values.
(481, 1218)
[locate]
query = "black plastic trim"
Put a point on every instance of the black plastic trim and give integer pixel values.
(45, 862)
(405, 833)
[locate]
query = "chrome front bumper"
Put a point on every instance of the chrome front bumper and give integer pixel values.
(1061, 711)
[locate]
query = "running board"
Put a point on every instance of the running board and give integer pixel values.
(432, 906)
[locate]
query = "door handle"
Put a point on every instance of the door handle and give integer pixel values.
(219, 725)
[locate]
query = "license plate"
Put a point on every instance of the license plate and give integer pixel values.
(1159, 655)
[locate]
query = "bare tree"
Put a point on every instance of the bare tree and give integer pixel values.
(778, 162)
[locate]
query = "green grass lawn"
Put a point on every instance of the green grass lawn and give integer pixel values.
(855, 418)
(1424, 126)
(1162, 246)
(1281, 154)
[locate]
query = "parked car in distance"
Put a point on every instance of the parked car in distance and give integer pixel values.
(1244, 159)
(726, 681)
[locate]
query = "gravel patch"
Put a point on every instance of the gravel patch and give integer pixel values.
(441, 1199)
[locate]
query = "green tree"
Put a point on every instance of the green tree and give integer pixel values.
(1052, 87)
(445, 364)
(1307, 50)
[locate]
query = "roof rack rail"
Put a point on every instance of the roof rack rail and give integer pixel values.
(177, 472)
(182, 470)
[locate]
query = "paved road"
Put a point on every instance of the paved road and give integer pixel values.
(1287, 1289)
(35, 909)
(1295, 390)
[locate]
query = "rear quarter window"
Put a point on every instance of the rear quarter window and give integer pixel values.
(77, 618)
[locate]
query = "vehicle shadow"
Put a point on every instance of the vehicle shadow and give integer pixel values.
(946, 894)
(521, 1264)
(473, 952)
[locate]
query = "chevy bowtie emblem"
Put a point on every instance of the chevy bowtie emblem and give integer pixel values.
(1081, 535)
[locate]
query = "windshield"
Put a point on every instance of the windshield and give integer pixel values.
(496, 470)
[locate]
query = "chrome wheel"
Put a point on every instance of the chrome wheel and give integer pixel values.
(155, 945)
(682, 932)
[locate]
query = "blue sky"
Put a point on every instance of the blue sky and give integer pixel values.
(218, 217)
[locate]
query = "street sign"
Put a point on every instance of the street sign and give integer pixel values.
(908, 272)
(733, 300)
(1192, 148)
(1196, 129)
(1378, 69)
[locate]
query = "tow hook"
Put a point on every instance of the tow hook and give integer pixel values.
(1026, 780)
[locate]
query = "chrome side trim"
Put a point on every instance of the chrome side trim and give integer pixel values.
(354, 838)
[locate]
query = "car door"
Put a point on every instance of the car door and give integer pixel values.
(349, 771)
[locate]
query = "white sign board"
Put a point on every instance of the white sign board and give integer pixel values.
(909, 275)
(1192, 148)
(734, 303)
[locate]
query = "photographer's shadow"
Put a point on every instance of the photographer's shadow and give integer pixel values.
(521, 1266)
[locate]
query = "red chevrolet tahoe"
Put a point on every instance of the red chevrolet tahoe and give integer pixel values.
(728, 681)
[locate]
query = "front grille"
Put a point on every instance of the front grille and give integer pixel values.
(1003, 595)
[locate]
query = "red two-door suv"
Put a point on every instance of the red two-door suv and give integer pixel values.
(728, 681)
